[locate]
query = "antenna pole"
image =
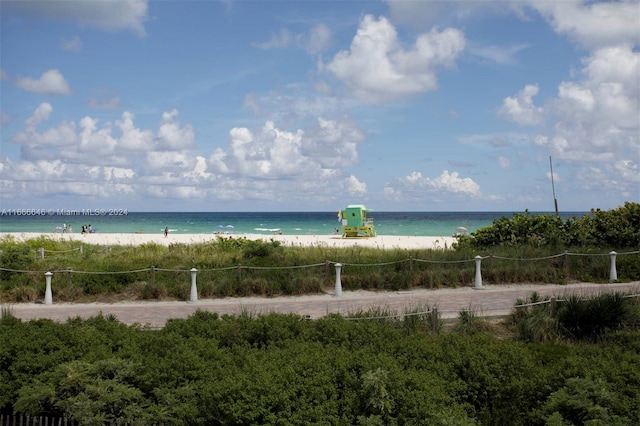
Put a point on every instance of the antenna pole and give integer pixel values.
(555, 200)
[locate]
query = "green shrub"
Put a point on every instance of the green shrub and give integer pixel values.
(618, 228)
(23, 295)
(469, 322)
(582, 401)
(93, 284)
(147, 291)
(576, 318)
(593, 318)
(69, 293)
(179, 290)
(259, 248)
(283, 369)
(535, 323)
(613, 229)
(16, 257)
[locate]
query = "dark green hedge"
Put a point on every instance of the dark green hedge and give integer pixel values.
(283, 369)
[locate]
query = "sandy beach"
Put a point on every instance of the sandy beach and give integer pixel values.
(380, 241)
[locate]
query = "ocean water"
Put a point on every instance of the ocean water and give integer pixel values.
(291, 223)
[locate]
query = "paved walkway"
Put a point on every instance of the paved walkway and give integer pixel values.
(491, 300)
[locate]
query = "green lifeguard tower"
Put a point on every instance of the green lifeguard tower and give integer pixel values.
(355, 223)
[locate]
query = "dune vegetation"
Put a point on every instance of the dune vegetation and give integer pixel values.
(526, 248)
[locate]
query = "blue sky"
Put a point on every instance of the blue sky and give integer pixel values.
(313, 105)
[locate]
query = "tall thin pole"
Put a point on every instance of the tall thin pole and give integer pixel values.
(555, 200)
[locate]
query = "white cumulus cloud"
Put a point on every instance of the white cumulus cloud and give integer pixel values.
(96, 158)
(417, 186)
(51, 82)
(596, 118)
(41, 114)
(133, 138)
(378, 69)
(171, 135)
(272, 153)
(593, 122)
(354, 187)
(521, 108)
(593, 24)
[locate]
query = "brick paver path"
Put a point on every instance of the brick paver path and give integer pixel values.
(491, 300)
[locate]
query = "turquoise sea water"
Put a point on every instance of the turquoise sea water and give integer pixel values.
(289, 223)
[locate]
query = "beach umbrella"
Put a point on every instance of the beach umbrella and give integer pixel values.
(221, 226)
(462, 230)
(229, 226)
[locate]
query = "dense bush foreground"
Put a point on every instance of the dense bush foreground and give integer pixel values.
(283, 369)
(240, 267)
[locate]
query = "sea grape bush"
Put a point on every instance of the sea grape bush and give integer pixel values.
(283, 369)
(613, 229)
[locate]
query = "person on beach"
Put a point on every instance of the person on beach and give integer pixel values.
(166, 231)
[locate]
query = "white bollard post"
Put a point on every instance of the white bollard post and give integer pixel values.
(613, 273)
(194, 287)
(48, 297)
(338, 282)
(478, 273)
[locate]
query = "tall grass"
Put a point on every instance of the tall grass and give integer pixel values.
(6, 312)
(419, 318)
(593, 318)
(470, 322)
(241, 267)
(576, 318)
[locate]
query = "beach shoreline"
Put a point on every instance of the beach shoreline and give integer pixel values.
(330, 241)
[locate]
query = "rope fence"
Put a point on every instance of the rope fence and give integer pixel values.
(434, 312)
(478, 284)
(41, 251)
